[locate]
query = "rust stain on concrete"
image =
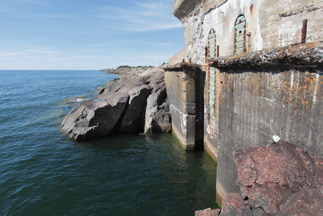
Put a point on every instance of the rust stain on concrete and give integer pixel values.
(251, 10)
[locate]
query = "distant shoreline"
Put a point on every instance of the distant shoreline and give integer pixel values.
(122, 70)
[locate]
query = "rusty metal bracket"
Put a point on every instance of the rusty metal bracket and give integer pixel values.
(304, 31)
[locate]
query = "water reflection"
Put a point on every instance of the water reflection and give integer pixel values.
(162, 169)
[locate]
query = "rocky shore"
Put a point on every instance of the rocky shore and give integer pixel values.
(124, 70)
(135, 102)
(280, 179)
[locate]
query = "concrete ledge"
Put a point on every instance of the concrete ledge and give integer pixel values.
(182, 8)
(183, 128)
(211, 150)
(306, 56)
(183, 65)
(185, 86)
(186, 147)
(220, 193)
(209, 5)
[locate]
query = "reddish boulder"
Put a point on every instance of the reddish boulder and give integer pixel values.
(234, 205)
(280, 179)
(208, 212)
(306, 202)
(281, 163)
(270, 176)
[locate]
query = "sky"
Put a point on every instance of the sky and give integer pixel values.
(87, 34)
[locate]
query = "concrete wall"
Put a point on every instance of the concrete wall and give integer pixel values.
(270, 23)
(272, 89)
(179, 57)
(185, 86)
(260, 95)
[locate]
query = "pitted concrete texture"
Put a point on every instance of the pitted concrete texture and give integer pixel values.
(269, 23)
(263, 94)
(185, 96)
(307, 55)
(273, 88)
(182, 8)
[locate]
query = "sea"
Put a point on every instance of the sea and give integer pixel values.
(44, 173)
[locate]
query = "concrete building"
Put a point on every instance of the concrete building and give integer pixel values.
(261, 73)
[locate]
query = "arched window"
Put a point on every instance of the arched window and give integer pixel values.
(211, 44)
(240, 35)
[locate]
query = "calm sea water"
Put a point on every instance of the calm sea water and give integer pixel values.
(44, 173)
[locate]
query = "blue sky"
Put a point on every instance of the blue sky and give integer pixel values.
(87, 34)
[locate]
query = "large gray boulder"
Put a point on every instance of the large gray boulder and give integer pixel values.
(123, 106)
(158, 117)
(135, 115)
(94, 118)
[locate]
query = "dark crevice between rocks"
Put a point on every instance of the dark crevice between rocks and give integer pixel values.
(156, 127)
(117, 126)
(162, 97)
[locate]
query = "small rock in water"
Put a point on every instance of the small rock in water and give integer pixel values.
(79, 100)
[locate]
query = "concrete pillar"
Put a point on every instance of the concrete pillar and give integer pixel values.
(185, 92)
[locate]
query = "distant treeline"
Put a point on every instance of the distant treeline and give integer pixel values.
(139, 66)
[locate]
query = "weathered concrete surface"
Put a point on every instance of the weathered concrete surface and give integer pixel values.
(280, 179)
(270, 23)
(185, 85)
(302, 56)
(182, 8)
(259, 95)
(122, 107)
(253, 96)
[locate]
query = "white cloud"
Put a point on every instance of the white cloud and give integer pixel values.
(8, 54)
(149, 16)
(42, 51)
(119, 43)
(153, 27)
(96, 57)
